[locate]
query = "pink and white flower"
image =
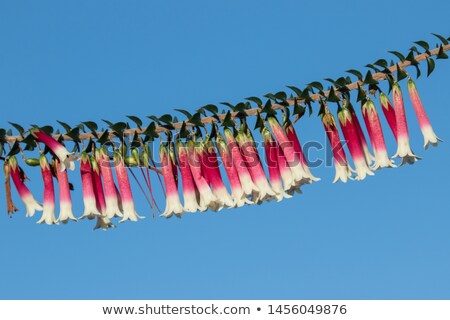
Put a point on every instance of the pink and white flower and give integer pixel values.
(389, 113)
(237, 192)
(129, 211)
(365, 147)
(354, 142)
(424, 123)
(375, 130)
(103, 221)
(403, 149)
(65, 200)
(65, 157)
(90, 204)
(343, 169)
(25, 195)
(173, 204)
(112, 196)
(271, 150)
(48, 215)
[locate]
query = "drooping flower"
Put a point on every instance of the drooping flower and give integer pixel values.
(289, 184)
(354, 143)
(245, 178)
(293, 138)
(65, 200)
(403, 149)
(173, 204)
(103, 221)
(424, 123)
(65, 157)
(343, 170)
(48, 215)
(129, 211)
(87, 180)
(271, 150)
(16, 174)
(389, 113)
(291, 156)
(237, 192)
(207, 197)
(11, 208)
(375, 130)
(213, 172)
(254, 166)
(189, 189)
(365, 147)
(113, 208)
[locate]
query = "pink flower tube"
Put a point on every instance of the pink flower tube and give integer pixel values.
(424, 123)
(189, 189)
(215, 177)
(129, 212)
(343, 170)
(354, 143)
(254, 166)
(48, 215)
(90, 204)
(290, 186)
(293, 138)
(237, 192)
(291, 156)
(25, 195)
(271, 150)
(103, 222)
(207, 197)
(65, 157)
(365, 147)
(239, 164)
(173, 204)
(403, 149)
(375, 130)
(65, 200)
(389, 113)
(111, 192)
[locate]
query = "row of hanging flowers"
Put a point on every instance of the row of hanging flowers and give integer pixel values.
(221, 167)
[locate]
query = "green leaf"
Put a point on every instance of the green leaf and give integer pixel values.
(14, 149)
(398, 55)
(441, 53)
(381, 63)
(259, 122)
(150, 132)
(166, 118)
(154, 118)
(361, 94)
(91, 125)
(256, 100)
(297, 91)
(443, 40)
(268, 108)
(186, 113)
(331, 81)
(299, 110)
(411, 58)
(424, 45)
(64, 125)
(414, 49)
(316, 84)
(109, 123)
(17, 127)
(369, 78)
(184, 132)
(371, 66)
(332, 97)
(136, 120)
(227, 121)
(47, 129)
(270, 96)
(229, 105)
(356, 73)
(430, 64)
(196, 119)
(211, 108)
(401, 74)
(281, 95)
(104, 138)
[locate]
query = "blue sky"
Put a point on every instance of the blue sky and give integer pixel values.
(386, 237)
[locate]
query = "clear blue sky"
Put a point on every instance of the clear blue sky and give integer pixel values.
(386, 237)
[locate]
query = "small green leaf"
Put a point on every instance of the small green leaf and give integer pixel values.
(441, 53)
(414, 49)
(299, 110)
(381, 63)
(259, 122)
(371, 66)
(332, 97)
(211, 108)
(297, 91)
(316, 84)
(430, 64)
(443, 40)
(196, 119)
(227, 121)
(186, 113)
(47, 129)
(424, 45)
(398, 55)
(281, 95)
(14, 149)
(166, 118)
(64, 125)
(356, 73)
(270, 96)
(150, 132)
(104, 138)
(361, 94)
(268, 108)
(184, 132)
(369, 78)
(91, 125)
(401, 74)
(136, 120)
(331, 81)
(229, 105)
(109, 123)
(17, 127)
(256, 100)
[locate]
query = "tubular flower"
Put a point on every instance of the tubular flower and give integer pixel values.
(111, 193)
(215, 178)
(286, 174)
(189, 188)
(389, 113)
(65, 200)
(375, 130)
(365, 147)
(239, 164)
(48, 215)
(354, 143)
(237, 192)
(253, 163)
(11, 208)
(103, 221)
(129, 212)
(90, 204)
(17, 177)
(424, 123)
(65, 157)
(293, 138)
(207, 197)
(271, 150)
(343, 170)
(289, 152)
(403, 149)
(173, 204)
